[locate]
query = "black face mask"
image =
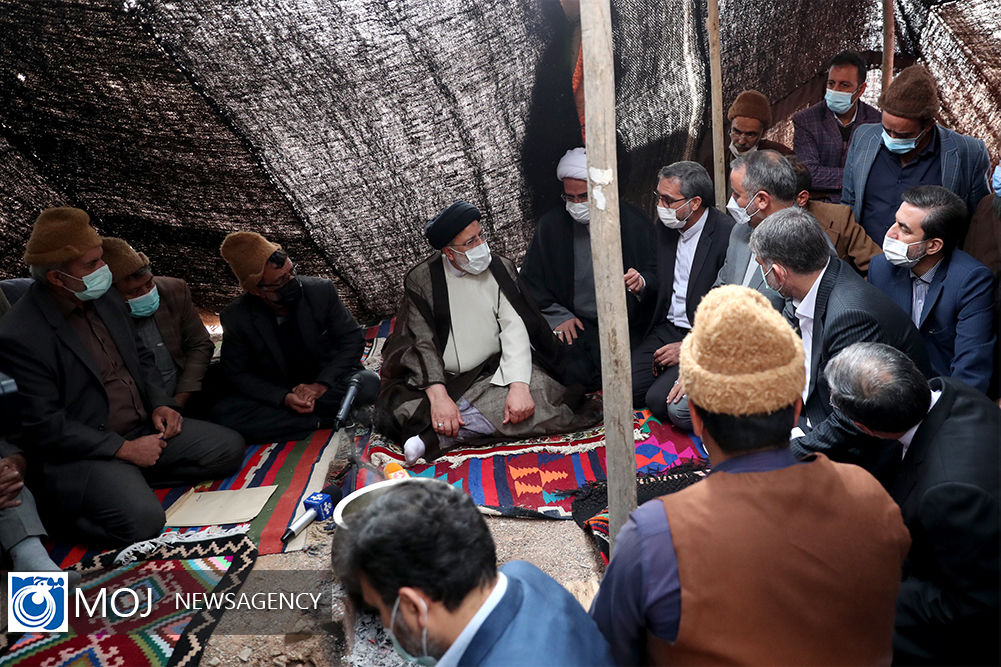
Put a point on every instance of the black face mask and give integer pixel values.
(290, 293)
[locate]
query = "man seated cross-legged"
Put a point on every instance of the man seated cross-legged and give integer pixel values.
(460, 366)
(98, 428)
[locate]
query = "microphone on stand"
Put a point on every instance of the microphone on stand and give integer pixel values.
(363, 387)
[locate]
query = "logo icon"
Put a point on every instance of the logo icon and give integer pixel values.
(36, 601)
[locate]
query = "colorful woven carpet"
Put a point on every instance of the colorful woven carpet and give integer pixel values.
(168, 636)
(295, 467)
(533, 477)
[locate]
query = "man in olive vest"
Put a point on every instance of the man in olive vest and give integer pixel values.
(768, 560)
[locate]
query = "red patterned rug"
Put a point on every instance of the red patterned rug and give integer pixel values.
(168, 635)
(534, 477)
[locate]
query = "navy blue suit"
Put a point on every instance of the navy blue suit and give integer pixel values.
(957, 322)
(536, 622)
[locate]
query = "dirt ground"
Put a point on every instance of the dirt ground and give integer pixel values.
(559, 548)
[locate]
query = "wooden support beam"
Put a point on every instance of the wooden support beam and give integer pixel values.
(716, 85)
(888, 44)
(606, 252)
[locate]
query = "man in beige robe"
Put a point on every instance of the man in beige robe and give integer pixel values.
(459, 365)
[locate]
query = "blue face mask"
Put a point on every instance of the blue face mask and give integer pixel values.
(425, 659)
(901, 146)
(96, 284)
(145, 305)
(837, 101)
(996, 180)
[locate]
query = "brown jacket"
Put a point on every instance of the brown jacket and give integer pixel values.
(183, 333)
(795, 566)
(849, 238)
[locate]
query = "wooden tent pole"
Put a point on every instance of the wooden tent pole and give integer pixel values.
(606, 252)
(716, 84)
(887, 43)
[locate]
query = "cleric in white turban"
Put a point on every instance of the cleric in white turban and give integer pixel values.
(559, 276)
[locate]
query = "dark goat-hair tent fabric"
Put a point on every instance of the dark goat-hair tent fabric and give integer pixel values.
(338, 128)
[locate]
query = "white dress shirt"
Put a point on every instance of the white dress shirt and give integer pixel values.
(454, 653)
(906, 438)
(804, 313)
(685, 254)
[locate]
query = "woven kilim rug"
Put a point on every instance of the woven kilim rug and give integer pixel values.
(533, 477)
(297, 468)
(168, 635)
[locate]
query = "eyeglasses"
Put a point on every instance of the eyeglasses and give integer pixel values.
(282, 281)
(734, 132)
(666, 199)
(574, 199)
(471, 243)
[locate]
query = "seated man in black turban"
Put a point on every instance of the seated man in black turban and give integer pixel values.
(460, 365)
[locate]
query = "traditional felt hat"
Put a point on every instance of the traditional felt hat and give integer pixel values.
(912, 94)
(741, 357)
(446, 225)
(247, 253)
(122, 258)
(60, 234)
(752, 104)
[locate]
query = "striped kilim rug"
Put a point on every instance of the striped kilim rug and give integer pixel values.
(296, 467)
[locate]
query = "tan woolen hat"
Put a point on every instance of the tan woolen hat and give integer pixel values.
(912, 94)
(59, 235)
(741, 357)
(247, 253)
(752, 104)
(122, 258)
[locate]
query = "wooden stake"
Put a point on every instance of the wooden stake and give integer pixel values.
(606, 251)
(887, 43)
(716, 84)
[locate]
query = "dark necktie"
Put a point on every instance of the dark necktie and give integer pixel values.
(789, 312)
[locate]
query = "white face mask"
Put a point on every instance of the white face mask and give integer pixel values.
(896, 252)
(669, 217)
(579, 211)
(740, 215)
(477, 259)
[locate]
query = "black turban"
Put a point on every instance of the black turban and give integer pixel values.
(446, 225)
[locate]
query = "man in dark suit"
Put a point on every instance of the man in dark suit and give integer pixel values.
(947, 489)
(97, 427)
(823, 131)
(691, 247)
(947, 293)
(831, 307)
(558, 276)
(165, 317)
(289, 346)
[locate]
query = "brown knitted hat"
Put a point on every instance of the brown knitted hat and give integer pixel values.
(752, 104)
(912, 94)
(121, 258)
(60, 235)
(247, 253)
(741, 357)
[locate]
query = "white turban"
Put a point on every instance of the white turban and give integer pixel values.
(573, 165)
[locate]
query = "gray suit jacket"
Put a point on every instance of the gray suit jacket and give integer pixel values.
(738, 254)
(964, 166)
